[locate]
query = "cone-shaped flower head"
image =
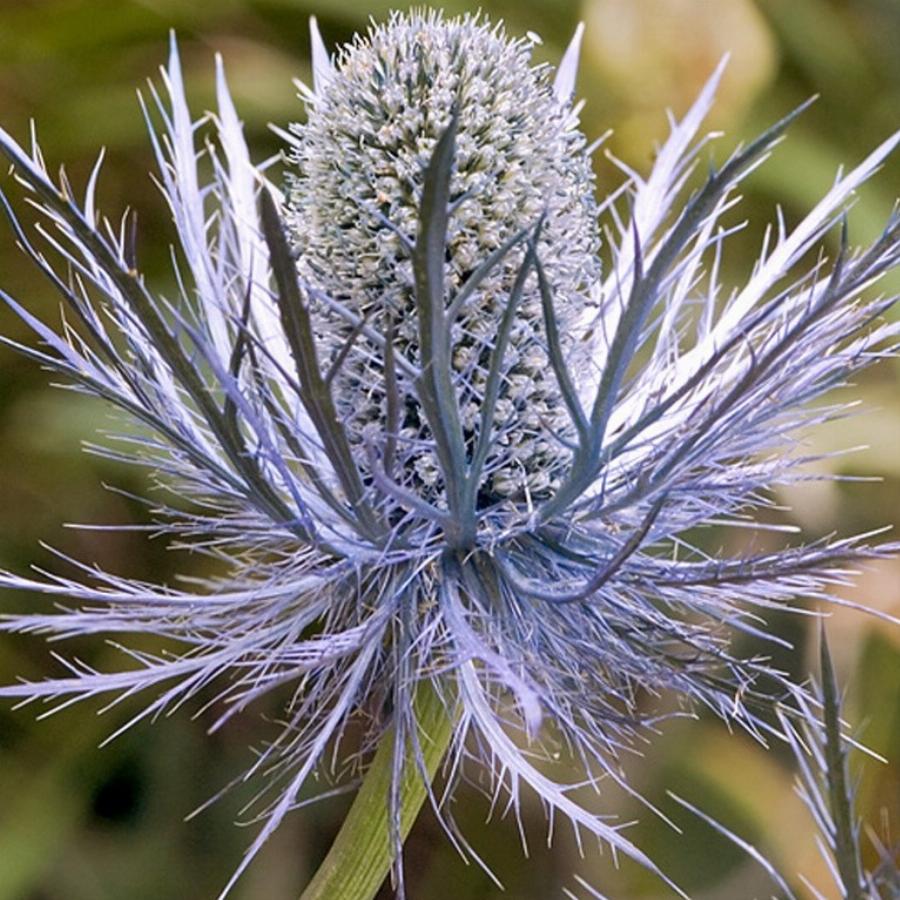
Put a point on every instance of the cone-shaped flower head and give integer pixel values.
(361, 160)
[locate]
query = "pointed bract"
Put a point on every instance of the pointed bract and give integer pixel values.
(321, 59)
(567, 72)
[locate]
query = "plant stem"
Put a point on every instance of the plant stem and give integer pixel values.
(846, 843)
(362, 853)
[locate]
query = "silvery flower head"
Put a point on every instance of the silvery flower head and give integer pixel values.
(439, 437)
(361, 163)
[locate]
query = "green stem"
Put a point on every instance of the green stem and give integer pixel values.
(360, 857)
(846, 849)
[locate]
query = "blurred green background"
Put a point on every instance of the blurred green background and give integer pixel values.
(78, 823)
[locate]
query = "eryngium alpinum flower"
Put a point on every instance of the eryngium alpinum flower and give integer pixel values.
(432, 447)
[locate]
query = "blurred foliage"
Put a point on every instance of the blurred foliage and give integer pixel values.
(78, 823)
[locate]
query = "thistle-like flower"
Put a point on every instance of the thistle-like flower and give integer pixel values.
(361, 160)
(447, 459)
